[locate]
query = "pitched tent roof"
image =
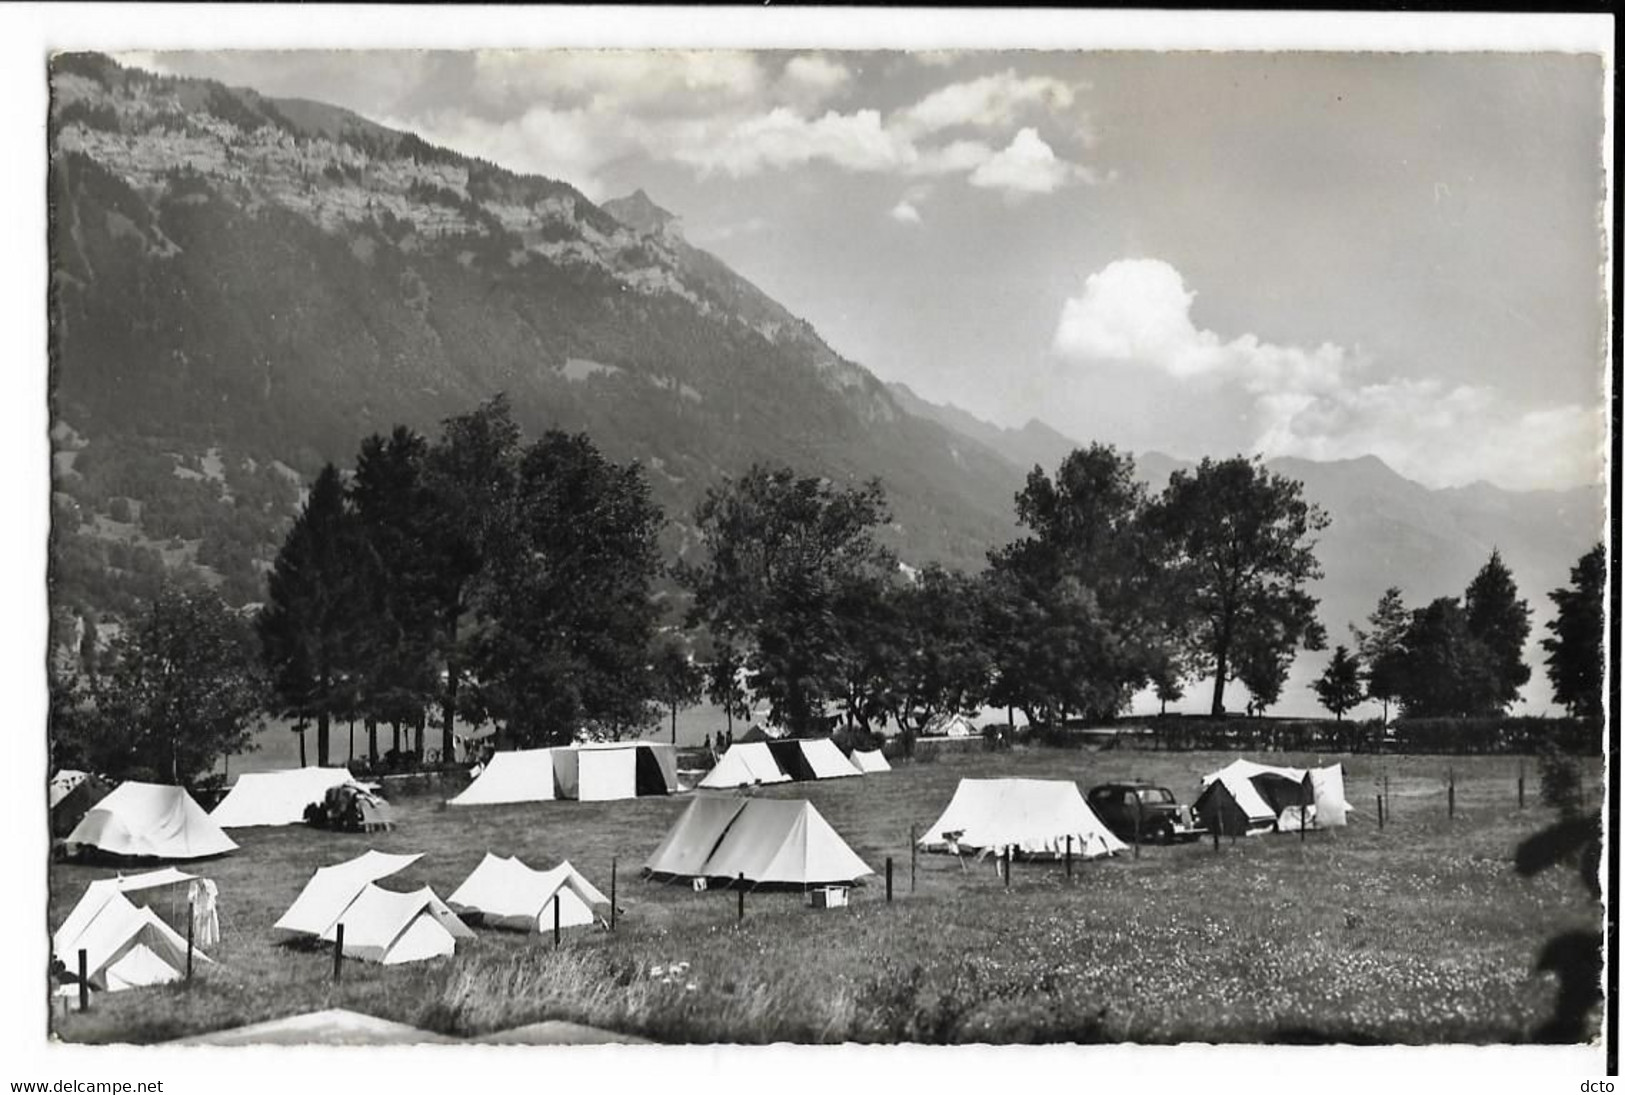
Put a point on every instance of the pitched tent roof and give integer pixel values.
(689, 843)
(519, 775)
(779, 842)
(1033, 815)
(275, 798)
(950, 724)
(389, 927)
(767, 841)
(746, 763)
(99, 893)
(1268, 793)
(150, 820)
(72, 794)
(825, 760)
(331, 889)
(870, 761)
(127, 947)
(508, 894)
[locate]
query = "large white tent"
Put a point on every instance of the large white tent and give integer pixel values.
(763, 841)
(1264, 795)
(149, 820)
(275, 798)
(745, 764)
(505, 893)
(1034, 816)
(126, 945)
(388, 927)
(518, 775)
(331, 890)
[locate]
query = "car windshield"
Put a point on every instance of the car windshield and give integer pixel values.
(1150, 795)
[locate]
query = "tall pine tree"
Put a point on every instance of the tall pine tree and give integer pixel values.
(1499, 620)
(1574, 650)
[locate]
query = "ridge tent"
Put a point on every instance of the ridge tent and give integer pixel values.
(127, 945)
(682, 852)
(505, 893)
(615, 770)
(765, 841)
(518, 775)
(792, 760)
(71, 795)
(1035, 816)
(276, 798)
(149, 820)
(870, 761)
(1245, 795)
(744, 764)
(949, 725)
(331, 890)
(390, 928)
(827, 761)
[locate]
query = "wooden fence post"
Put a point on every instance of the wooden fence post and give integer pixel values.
(555, 920)
(84, 980)
(1007, 866)
(913, 857)
(1379, 811)
(191, 911)
(1136, 795)
(1069, 857)
(1520, 783)
(1451, 793)
(888, 880)
(338, 953)
(741, 897)
(611, 893)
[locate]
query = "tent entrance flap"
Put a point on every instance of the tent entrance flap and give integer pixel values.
(650, 777)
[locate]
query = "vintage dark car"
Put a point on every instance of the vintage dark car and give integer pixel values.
(1137, 808)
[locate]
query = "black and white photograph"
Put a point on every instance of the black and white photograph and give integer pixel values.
(1078, 531)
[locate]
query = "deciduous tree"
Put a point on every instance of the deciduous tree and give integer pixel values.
(1339, 686)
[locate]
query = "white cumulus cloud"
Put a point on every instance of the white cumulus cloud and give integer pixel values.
(1321, 403)
(992, 101)
(905, 212)
(1026, 166)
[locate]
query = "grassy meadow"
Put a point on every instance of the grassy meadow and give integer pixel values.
(1420, 932)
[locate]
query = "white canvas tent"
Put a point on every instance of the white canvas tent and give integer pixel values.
(519, 775)
(63, 783)
(331, 890)
(275, 798)
(615, 769)
(149, 820)
(870, 761)
(827, 761)
(505, 893)
(763, 841)
(743, 765)
(949, 725)
(126, 945)
(1035, 816)
(1252, 788)
(390, 928)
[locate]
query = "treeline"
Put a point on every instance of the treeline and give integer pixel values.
(480, 578)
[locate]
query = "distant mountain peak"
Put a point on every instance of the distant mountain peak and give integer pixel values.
(639, 212)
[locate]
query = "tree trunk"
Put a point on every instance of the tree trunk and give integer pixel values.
(323, 724)
(351, 758)
(395, 736)
(674, 724)
(372, 741)
(1218, 679)
(422, 732)
(450, 709)
(301, 735)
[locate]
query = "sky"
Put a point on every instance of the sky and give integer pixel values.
(1323, 255)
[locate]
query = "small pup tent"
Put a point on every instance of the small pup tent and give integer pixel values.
(505, 893)
(390, 928)
(1244, 796)
(275, 798)
(1035, 816)
(519, 775)
(71, 795)
(825, 760)
(149, 820)
(331, 890)
(765, 841)
(870, 761)
(128, 945)
(949, 725)
(745, 764)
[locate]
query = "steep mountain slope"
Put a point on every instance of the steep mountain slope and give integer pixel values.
(271, 281)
